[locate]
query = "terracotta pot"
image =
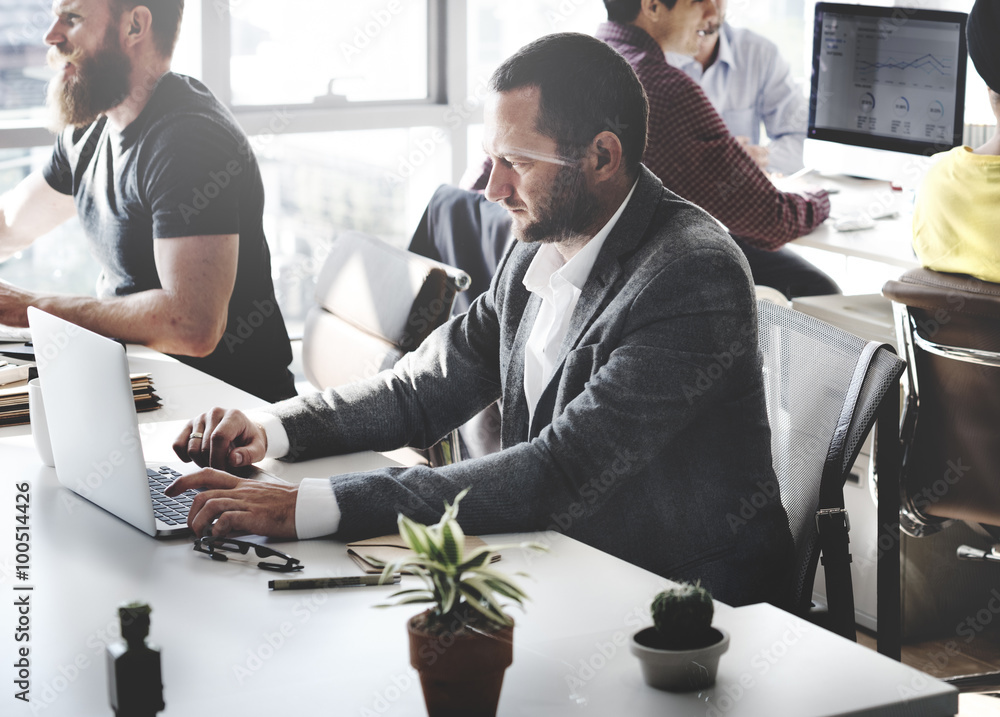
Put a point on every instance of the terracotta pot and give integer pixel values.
(678, 670)
(461, 673)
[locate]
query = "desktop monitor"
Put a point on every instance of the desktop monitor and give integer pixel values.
(888, 90)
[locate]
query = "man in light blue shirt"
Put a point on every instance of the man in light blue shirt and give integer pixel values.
(748, 82)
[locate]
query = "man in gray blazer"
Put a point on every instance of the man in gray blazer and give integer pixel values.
(620, 332)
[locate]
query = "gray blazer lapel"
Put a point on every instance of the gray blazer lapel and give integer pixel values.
(514, 426)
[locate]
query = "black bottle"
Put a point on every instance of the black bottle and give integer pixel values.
(134, 685)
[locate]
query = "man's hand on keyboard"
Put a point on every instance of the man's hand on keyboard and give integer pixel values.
(227, 505)
(221, 439)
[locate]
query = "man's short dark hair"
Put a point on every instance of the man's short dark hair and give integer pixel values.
(586, 88)
(166, 16)
(628, 10)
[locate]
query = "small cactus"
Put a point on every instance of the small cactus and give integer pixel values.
(682, 616)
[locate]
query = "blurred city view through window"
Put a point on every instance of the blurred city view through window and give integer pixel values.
(23, 72)
(61, 260)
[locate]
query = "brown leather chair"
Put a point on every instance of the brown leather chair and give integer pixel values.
(949, 328)
(374, 303)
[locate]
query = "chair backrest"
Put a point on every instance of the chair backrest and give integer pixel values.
(465, 230)
(374, 303)
(949, 325)
(823, 389)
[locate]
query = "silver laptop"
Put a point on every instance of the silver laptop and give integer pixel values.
(94, 431)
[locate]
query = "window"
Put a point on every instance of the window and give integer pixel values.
(61, 260)
(357, 111)
(23, 72)
(23, 69)
(786, 23)
(318, 184)
(351, 127)
(497, 28)
(367, 51)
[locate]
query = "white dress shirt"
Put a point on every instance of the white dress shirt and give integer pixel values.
(558, 282)
(749, 83)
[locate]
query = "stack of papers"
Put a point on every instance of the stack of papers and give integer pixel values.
(14, 399)
(143, 393)
(13, 372)
(13, 333)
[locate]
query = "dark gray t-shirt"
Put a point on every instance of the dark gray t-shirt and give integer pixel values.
(182, 168)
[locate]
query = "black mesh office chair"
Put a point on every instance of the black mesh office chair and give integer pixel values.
(949, 326)
(374, 303)
(825, 389)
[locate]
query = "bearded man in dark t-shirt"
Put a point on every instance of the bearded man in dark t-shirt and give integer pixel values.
(169, 194)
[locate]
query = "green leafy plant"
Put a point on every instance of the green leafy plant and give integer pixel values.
(457, 584)
(682, 617)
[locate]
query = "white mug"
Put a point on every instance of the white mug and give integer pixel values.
(39, 428)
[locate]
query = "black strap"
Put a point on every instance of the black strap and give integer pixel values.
(832, 522)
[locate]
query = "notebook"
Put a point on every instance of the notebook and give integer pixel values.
(93, 428)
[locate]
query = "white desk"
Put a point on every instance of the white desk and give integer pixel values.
(232, 647)
(889, 241)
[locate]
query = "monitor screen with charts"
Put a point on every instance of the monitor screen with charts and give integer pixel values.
(888, 79)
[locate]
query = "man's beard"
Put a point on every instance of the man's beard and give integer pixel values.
(99, 83)
(570, 210)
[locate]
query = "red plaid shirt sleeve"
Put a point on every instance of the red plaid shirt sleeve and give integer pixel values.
(689, 148)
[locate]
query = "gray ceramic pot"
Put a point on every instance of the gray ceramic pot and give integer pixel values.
(679, 670)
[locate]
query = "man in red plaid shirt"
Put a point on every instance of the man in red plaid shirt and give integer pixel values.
(694, 155)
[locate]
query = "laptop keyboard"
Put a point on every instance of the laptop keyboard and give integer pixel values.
(172, 511)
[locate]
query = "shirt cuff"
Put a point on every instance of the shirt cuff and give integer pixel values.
(316, 510)
(277, 437)
(820, 200)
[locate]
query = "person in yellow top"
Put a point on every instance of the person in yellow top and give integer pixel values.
(956, 219)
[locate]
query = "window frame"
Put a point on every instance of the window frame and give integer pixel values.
(446, 62)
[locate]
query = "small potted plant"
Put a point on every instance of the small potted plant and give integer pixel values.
(680, 653)
(462, 645)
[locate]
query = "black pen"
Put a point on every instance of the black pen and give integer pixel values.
(314, 583)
